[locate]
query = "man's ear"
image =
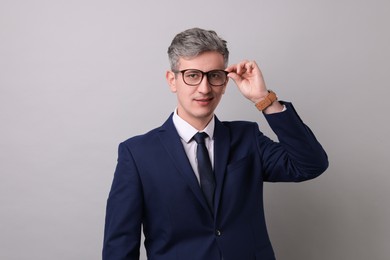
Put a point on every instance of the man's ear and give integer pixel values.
(171, 79)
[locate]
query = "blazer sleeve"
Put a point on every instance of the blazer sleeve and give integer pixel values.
(124, 211)
(298, 156)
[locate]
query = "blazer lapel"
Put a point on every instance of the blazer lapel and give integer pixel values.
(172, 144)
(221, 154)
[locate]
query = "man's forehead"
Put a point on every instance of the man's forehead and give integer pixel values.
(202, 61)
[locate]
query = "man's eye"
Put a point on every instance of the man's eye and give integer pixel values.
(192, 75)
(215, 75)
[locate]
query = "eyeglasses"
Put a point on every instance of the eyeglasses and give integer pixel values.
(194, 77)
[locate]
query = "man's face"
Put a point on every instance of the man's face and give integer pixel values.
(196, 104)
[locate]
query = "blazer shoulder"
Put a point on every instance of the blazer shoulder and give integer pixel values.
(141, 138)
(150, 136)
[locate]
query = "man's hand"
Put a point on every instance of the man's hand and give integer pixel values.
(250, 82)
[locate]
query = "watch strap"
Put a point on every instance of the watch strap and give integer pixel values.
(267, 101)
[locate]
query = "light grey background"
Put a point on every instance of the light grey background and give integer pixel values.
(78, 77)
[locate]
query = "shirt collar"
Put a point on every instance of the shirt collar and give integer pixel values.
(187, 131)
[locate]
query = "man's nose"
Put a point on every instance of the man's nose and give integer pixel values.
(204, 85)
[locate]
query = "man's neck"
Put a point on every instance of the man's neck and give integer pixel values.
(199, 125)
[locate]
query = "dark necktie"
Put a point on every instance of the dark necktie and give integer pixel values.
(206, 175)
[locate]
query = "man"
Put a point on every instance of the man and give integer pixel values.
(203, 199)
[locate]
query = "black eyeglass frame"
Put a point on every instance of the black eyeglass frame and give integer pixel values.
(203, 73)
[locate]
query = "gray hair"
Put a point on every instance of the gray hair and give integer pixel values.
(192, 42)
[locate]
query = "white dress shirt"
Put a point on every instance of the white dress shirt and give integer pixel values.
(186, 132)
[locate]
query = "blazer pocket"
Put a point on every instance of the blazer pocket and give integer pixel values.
(246, 161)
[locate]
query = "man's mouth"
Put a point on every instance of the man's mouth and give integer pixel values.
(204, 101)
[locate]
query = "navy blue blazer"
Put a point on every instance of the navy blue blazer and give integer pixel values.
(155, 187)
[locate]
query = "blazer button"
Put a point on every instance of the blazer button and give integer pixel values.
(218, 233)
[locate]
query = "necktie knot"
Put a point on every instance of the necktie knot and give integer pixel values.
(200, 137)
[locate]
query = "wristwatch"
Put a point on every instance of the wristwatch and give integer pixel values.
(267, 101)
